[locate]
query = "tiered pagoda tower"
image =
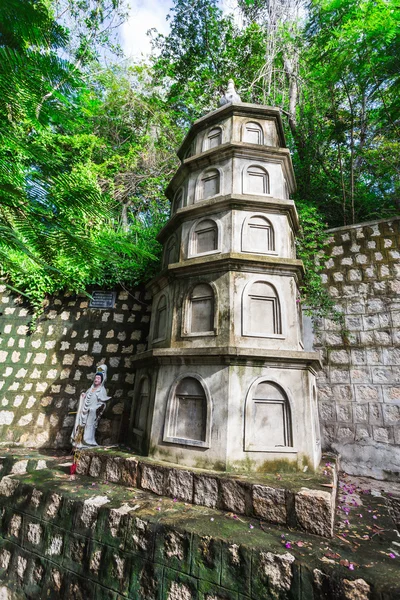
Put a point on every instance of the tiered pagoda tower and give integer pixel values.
(226, 383)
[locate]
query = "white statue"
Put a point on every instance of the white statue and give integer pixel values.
(230, 95)
(90, 408)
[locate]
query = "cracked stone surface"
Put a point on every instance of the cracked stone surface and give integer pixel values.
(55, 546)
(15, 525)
(34, 533)
(90, 509)
(269, 503)
(179, 591)
(278, 569)
(174, 545)
(315, 511)
(356, 590)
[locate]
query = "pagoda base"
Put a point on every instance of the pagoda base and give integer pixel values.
(245, 412)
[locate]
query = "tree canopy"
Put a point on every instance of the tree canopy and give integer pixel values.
(88, 140)
(76, 141)
(332, 67)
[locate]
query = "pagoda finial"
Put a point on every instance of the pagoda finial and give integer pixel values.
(230, 95)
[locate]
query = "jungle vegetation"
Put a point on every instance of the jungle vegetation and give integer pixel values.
(88, 139)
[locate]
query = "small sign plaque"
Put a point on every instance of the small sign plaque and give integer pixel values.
(102, 299)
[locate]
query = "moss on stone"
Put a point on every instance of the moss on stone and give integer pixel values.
(152, 518)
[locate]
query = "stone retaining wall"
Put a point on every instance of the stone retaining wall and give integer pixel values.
(304, 505)
(53, 546)
(42, 374)
(359, 390)
(62, 537)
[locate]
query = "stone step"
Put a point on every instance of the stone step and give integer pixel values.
(66, 536)
(19, 462)
(302, 501)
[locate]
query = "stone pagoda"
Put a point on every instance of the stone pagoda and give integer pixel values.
(226, 382)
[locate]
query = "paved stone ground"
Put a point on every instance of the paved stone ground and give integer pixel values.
(375, 485)
(66, 536)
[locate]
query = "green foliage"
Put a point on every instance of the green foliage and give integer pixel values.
(203, 50)
(39, 209)
(92, 27)
(310, 245)
(136, 140)
(136, 257)
(350, 110)
(79, 190)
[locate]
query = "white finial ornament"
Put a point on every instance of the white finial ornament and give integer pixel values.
(230, 95)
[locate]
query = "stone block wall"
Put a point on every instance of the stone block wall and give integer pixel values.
(42, 374)
(296, 506)
(359, 389)
(63, 538)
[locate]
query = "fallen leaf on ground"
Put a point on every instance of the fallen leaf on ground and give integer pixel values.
(327, 560)
(332, 555)
(233, 516)
(343, 539)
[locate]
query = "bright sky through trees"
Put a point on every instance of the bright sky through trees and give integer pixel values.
(144, 15)
(150, 14)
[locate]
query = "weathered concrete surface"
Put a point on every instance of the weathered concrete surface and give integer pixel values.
(136, 545)
(230, 281)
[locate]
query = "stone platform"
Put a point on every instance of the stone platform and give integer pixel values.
(300, 500)
(74, 537)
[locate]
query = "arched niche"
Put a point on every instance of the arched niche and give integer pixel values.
(252, 133)
(188, 415)
(209, 184)
(213, 138)
(268, 422)
(141, 406)
(171, 251)
(255, 180)
(199, 313)
(258, 235)
(204, 237)
(178, 201)
(191, 151)
(261, 310)
(160, 319)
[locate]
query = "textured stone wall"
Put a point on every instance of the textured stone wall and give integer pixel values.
(42, 374)
(296, 506)
(359, 389)
(63, 537)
